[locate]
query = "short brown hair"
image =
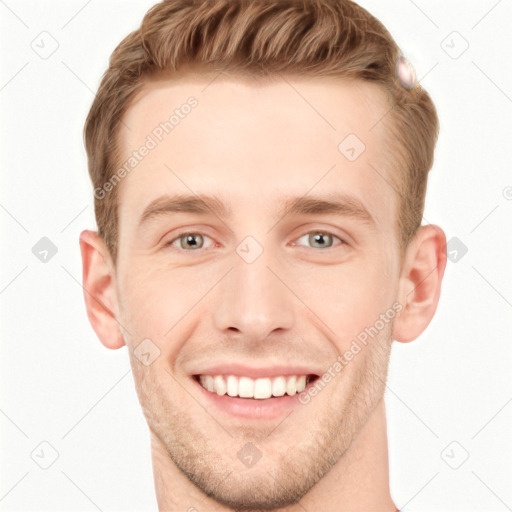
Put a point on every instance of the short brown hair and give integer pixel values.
(323, 38)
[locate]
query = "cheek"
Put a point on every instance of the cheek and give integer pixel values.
(350, 298)
(145, 304)
(158, 304)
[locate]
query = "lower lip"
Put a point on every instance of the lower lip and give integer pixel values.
(251, 408)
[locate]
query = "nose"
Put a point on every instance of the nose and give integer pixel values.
(254, 300)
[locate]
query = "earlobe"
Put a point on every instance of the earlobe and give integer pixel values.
(99, 289)
(420, 282)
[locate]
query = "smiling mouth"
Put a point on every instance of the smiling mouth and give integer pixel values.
(259, 389)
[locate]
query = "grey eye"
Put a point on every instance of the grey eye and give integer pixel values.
(320, 239)
(191, 241)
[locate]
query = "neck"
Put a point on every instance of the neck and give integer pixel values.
(359, 482)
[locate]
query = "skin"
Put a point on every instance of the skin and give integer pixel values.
(253, 146)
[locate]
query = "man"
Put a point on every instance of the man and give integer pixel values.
(259, 173)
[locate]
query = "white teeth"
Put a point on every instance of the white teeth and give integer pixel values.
(219, 385)
(245, 387)
(279, 386)
(232, 386)
(262, 388)
(207, 382)
(291, 385)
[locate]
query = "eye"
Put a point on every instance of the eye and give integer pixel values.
(321, 239)
(188, 241)
(192, 241)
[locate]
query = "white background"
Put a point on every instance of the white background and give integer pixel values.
(449, 393)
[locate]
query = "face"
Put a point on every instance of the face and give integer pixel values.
(257, 290)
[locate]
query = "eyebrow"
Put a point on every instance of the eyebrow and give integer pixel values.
(345, 205)
(200, 204)
(194, 203)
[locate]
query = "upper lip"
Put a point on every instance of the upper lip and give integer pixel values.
(254, 372)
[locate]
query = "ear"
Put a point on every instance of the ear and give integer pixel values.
(100, 296)
(420, 282)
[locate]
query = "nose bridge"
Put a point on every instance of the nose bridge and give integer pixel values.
(254, 300)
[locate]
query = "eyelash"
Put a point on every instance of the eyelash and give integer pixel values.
(186, 233)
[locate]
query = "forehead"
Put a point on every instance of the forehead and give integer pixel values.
(255, 142)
